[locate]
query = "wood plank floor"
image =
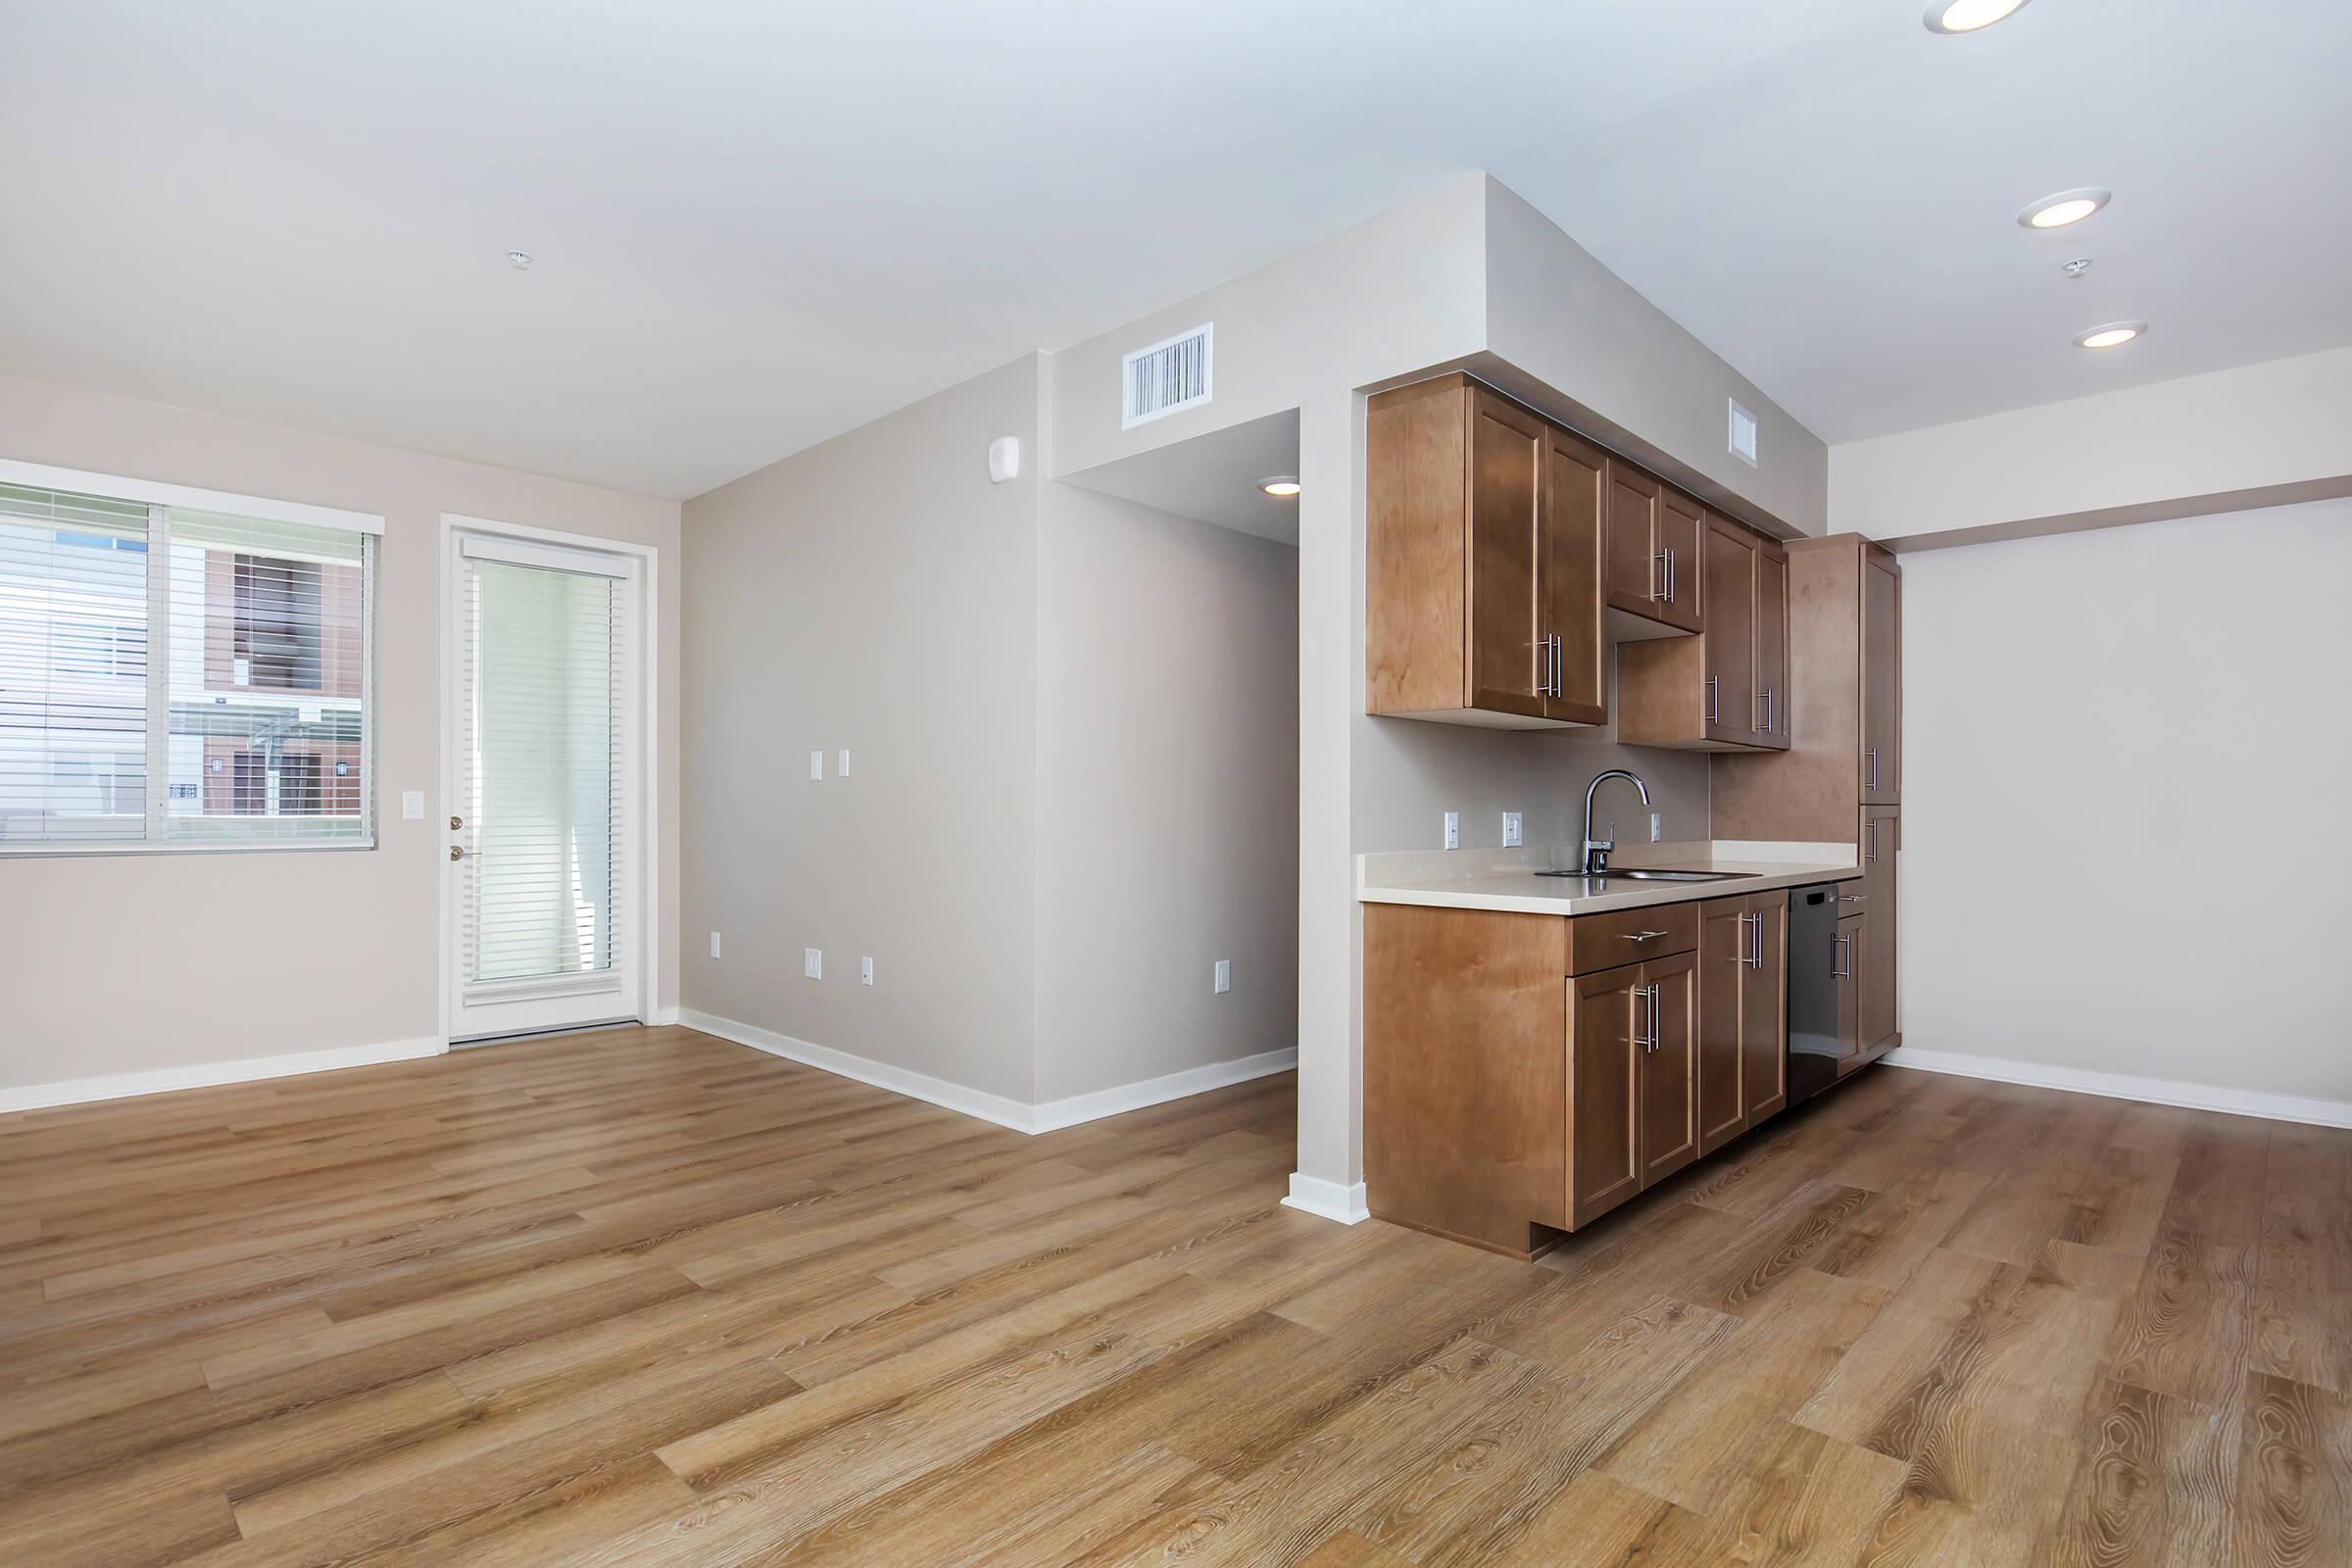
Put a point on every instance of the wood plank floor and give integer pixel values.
(646, 1298)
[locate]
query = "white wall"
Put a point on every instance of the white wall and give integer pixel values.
(1168, 785)
(2128, 758)
(876, 593)
(138, 963)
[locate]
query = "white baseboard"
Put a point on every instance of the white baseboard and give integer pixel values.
(1004, 1112)
(898, 1080)
(1312, 1194)
(661, 1017)
(2125, 1086)
(1124, 1097)
(211, 1074)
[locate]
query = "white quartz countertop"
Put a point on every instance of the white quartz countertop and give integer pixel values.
(1506, 880)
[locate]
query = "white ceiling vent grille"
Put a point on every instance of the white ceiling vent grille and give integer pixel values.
(1743, 435)
(1171, 375)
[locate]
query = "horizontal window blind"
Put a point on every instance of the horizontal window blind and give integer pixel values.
(175, 677)
(541, 697)
(267, 680)
(74, 637)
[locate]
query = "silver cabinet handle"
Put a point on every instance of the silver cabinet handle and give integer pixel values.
(1560, 664)
(1870, 759)
(1640, 1036)
(1772, 711)
(1639, 936)
(1670, 574)
(1657, 1033)
(1660, 564)
(1758, 963)
(1714, 693)
(1842, 954)
(1871, 857)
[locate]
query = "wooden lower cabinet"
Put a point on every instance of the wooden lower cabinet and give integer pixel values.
(1882, 826)
(1507, 1097)
(1742, 1048)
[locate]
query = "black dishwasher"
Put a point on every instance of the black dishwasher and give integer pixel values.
(1814, 1044)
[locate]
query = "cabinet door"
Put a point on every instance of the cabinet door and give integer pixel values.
(1629, 563)
(1848, 959)
(1725, 944)
(1771, 697)
(1507, 662)
(1731, 596)
(1882, 681)
(1604, 1081)
(1670, 1067)
(1882, 827)
(1681, 526)
(1764, 1011)
(1576, 480)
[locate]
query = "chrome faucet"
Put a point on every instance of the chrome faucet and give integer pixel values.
(1597, 850)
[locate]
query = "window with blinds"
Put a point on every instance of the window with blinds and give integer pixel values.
(542, 794)
(174, 676)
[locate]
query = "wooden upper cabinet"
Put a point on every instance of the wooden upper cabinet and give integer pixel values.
(1681, 548)
(1709, 692)
(1771, 647)
(1511, 662)
(1633, 579)
(1576, 483)
(1483, 540)
(1882, 682)
(1730, 553)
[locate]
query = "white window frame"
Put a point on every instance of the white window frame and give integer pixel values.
(159, 497)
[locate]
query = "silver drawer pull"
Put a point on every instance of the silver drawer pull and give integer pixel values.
(1640, 935)
(1851, 897)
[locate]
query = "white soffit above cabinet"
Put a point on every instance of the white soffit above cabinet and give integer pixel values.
(749, 233)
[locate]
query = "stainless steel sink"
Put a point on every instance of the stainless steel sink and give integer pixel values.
(1648, 874)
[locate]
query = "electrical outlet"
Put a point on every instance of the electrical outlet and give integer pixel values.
(813, 963)
(1510, 831)
(1655, 826)
(714, 943)
(1222, 976)
(865, 967)
(1454, 830)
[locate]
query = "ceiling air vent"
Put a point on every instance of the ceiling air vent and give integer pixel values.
(1171, 375)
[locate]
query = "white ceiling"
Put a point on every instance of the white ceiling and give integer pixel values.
(758, 224)
(1213, 476)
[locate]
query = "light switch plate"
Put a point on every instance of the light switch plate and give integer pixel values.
(714, 943)
(411, 805)
(1222, 976)
(1454, 830)
(813, 963)
(1510, 831)
(841, 764)
(1655, 827)
(817, 768)
(865, 967)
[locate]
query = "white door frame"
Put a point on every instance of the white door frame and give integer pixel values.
(647, 779)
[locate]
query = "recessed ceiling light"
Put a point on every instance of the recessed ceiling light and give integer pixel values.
(2113, 335)
(520, 261)
(2066, 207)
(1285, 485)
(1967, 16)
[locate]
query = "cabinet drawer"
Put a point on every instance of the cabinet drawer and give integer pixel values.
(1604, 941)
